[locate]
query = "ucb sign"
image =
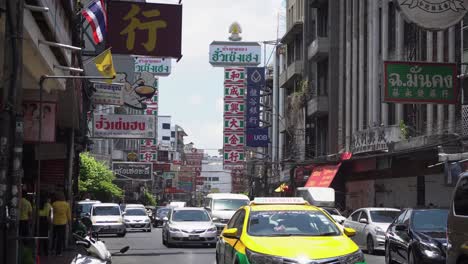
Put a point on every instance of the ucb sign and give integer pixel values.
(257, 137)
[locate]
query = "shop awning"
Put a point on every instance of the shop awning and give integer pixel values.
(322, 176)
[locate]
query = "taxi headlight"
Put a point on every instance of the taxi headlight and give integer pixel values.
(257, 258)
(356, 257)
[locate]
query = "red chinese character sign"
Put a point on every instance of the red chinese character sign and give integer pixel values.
(145, 29)
(234, 117)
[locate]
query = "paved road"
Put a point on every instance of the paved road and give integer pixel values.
(148, 248)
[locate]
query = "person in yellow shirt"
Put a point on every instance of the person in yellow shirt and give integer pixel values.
(62, 216)
(45, 210)
(25, 212)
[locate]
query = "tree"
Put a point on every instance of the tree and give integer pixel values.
(96, 179)
(148, 199)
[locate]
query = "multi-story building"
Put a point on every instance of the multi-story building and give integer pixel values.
(330, 103)
(215, 178)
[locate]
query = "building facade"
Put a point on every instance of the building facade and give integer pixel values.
(331, 81)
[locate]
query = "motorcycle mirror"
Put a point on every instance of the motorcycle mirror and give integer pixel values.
(87, 222)
(124, 249)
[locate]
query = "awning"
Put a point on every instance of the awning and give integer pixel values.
(322, 176)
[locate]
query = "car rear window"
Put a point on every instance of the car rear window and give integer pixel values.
(106, 210)
(382, 216)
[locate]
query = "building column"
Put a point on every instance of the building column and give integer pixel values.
(370, 61)
(375, 64)
(399, 31)
(354, 72)
(362, 23)
(440, 58)
(451, 108)
(430, 107)
(348, 72)
(384, 54)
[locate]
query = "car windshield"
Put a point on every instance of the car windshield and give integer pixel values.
(84, 208)
(106, 210)
(429, 220)
(291, 223)
(228, 204)
(381, 216)
(190, 216)
(135, 212)
(332, 211)
(162, 212)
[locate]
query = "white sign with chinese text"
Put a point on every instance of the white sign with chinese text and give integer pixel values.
(157, 66)
(375, 139)
(108, 94)
(234, 123)
(235, 53)
(123, 126)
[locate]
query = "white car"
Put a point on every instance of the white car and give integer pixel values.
(107, 219)
(335, 214)
(188, 225)
(136, 218)
(370, 225)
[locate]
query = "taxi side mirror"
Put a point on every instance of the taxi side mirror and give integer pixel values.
(230, 233)
(349, 232)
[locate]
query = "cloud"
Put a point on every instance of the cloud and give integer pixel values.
(208, 136)
(195, 99)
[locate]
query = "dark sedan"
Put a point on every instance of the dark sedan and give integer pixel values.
(158, 217)
(417, 236)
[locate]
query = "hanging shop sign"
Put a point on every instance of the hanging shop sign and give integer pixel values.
(133, 170)
(108, 94)
(257, 137)
(145, 29)
(227, 53)
(123, 126)
(420, 82)
(32, 118)
(156, 66)
(434, 14)
(375, 139)
(234, 76)
(234, 139)
(234, 91)
(168, 175)
(255, 76)
(136, 92)
(253, 107)
(234, 123)
(234, 107)
(322, 176)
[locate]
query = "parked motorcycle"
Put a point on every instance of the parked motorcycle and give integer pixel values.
(96, 250)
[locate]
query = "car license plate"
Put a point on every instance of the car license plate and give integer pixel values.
(193, 237)
(137, 225)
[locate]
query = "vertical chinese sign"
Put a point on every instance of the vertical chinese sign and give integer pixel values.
(149, 147)
(234, 118)
(255, 135)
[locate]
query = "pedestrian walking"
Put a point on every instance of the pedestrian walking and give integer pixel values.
(25, 214)
(62, 216)
(45, 209)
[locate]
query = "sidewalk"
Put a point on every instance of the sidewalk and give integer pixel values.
(67, 257)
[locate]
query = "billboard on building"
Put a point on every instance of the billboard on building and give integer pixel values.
(147, 29)
(235, 53)
(31, 121)
(435, 14)
(156, 66)
(420, 82)
(108, 93)
(133, 170)
(123, 126)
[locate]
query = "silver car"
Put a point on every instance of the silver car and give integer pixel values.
(370, 225)
(188, 225)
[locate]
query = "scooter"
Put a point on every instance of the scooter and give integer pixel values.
(97, 252)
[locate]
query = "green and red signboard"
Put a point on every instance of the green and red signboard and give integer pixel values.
(420, 82)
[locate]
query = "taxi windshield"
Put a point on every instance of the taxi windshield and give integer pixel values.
(291, 223)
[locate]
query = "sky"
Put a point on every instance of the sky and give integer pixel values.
(193, 93)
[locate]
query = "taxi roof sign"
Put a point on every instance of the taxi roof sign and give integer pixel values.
(279, 200)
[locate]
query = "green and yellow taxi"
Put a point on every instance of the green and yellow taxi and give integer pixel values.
(274, 230)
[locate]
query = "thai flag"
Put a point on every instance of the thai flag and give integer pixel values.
(97, 18)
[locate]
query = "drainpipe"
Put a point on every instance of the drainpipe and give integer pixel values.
(430, 57)
(369, 63)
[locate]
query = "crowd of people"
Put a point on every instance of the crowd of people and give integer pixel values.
(49, 224)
